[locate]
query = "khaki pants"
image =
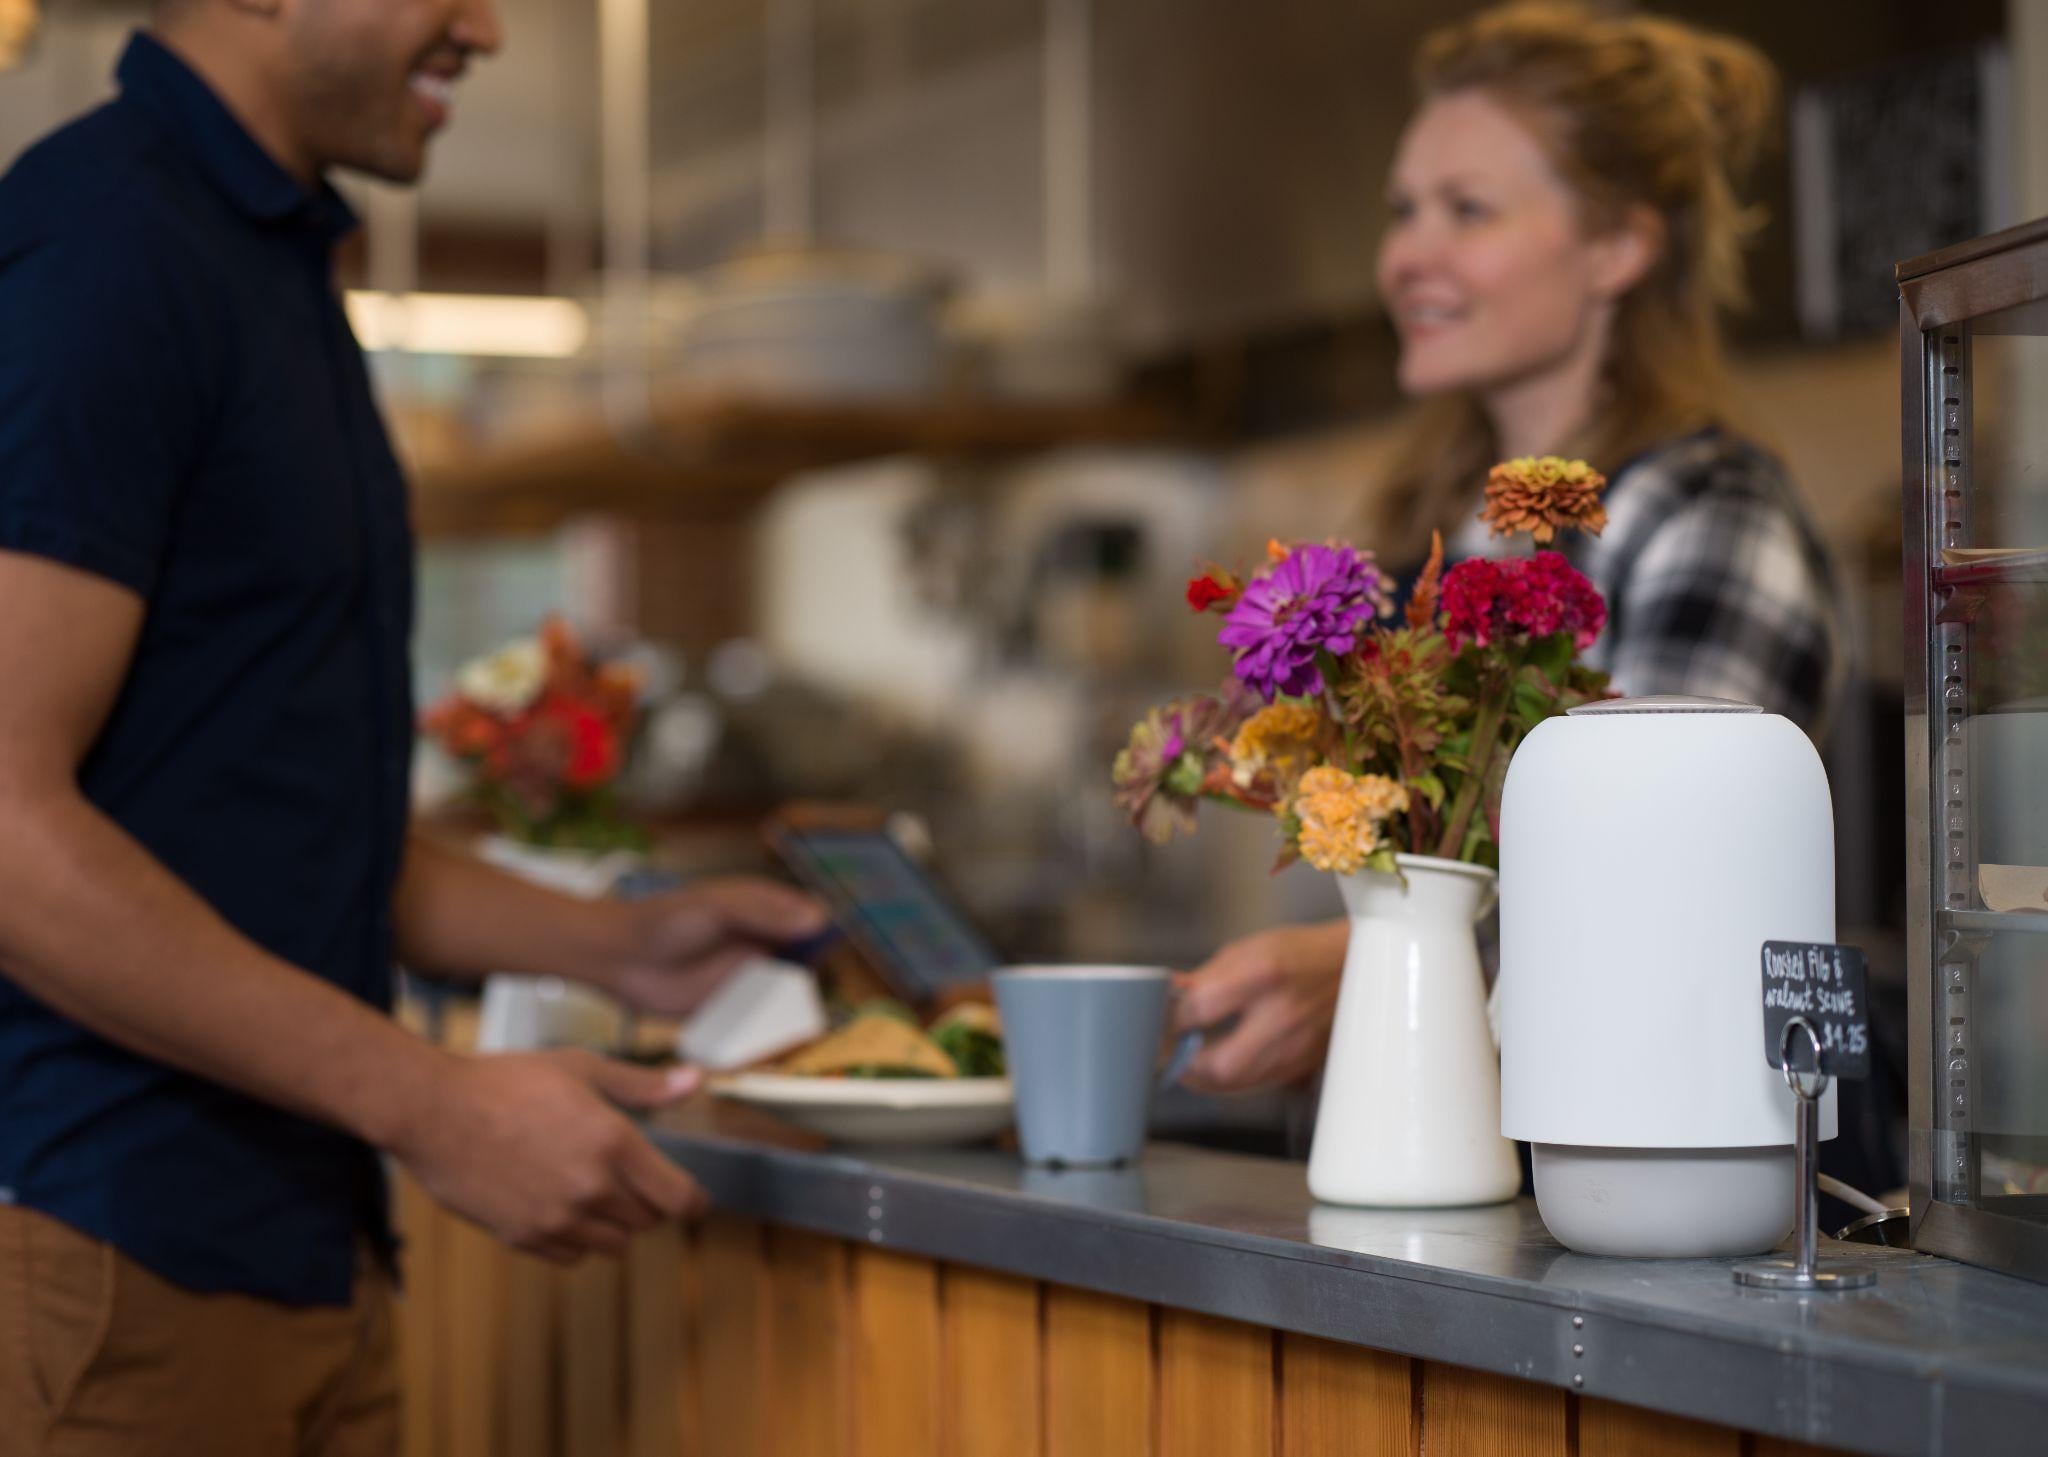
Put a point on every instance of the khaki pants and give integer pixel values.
(100, 1358)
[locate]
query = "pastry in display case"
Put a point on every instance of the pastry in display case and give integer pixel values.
(1974, 365)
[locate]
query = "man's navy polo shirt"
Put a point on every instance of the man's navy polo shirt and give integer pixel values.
(183, 411)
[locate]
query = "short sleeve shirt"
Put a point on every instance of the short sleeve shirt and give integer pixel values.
(184, 413)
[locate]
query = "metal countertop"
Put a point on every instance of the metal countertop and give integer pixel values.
(1936, 1358)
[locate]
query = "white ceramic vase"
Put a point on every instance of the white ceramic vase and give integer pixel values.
(1410, 1114)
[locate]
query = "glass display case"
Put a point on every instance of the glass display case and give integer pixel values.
(1973, 323)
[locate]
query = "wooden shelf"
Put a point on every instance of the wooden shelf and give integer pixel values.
(717, 454)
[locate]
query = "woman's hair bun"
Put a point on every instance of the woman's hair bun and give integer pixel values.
(1738, 82)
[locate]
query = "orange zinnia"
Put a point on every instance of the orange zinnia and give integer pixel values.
(1543, 495)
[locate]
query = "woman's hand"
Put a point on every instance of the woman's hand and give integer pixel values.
(1281, 986)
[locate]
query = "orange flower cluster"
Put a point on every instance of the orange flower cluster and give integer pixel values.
(1344, 817)
(539, 721)
(1542, 496)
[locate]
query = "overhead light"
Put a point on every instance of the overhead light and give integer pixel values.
(17, 29)
(467, 323)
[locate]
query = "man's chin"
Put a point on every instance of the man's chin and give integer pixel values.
(401, 165)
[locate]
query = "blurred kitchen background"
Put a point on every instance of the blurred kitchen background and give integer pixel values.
(883, 367)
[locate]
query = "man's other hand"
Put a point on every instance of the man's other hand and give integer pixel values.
(534, 1147)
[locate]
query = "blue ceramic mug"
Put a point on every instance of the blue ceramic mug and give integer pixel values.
(1082, 1044)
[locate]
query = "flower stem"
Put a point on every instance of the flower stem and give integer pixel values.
(1493, 707)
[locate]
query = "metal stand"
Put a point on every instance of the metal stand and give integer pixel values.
(1799, 1273)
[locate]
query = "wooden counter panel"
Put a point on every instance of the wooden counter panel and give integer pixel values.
(1099, 1391)
(1478, 1414)
(1609, 1429)
(593, 1360)
(422, 1306)
(660, 1400)
(897, 1371)
(992, 1386)
(730, 1339)
(805, 1389)
(734, 1340)
(472, 1360)
(1346, 1401)
(1216, 1387)
(531, 1311)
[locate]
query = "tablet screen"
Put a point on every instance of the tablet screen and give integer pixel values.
(890, 903)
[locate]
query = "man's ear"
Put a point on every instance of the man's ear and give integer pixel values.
(1624, 254)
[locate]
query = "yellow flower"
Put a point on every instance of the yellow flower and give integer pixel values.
(1543, 495)
(1343, 817)
(1280, 738)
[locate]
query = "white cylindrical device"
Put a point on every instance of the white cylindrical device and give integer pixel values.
(1649, 847)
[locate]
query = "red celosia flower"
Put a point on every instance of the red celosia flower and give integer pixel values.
(1205, 592)
(1530, 597)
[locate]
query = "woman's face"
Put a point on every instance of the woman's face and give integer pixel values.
(1486, 268)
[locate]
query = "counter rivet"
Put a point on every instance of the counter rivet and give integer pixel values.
(874, 1193)
(1578, 1322)
(1578, 1350)
(874, 1211)
(1578, 1381)
(874, 1236)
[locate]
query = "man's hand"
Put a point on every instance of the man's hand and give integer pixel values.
(1281, 985)
(685, 943)
(460, 917)
(531, 1147)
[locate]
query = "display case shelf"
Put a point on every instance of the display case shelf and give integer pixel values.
(2034, 923)
(1988, 570)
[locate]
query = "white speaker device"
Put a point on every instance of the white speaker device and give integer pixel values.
(1649, 847)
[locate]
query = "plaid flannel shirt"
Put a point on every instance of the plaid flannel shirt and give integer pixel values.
(1715, 581)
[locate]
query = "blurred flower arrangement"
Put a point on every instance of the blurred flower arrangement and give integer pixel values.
(544, 730)
(1367, 734)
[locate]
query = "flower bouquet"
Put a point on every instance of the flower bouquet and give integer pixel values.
(1367, 733)
(1380, 742)
(544, 730)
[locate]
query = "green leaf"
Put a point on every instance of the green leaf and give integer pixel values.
(1430, 787)
(1531, 703)
(1552, 656)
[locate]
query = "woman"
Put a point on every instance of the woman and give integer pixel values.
(1565, 234)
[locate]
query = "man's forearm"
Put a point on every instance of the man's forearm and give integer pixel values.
(457, 916)
(96, 928)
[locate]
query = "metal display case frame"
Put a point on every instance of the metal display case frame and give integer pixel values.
(1948, 926)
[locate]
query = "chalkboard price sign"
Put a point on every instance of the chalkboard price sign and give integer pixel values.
(1825, 984)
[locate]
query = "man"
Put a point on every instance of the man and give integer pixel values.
(205, 876)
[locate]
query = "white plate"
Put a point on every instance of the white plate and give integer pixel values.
(879, 1110)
